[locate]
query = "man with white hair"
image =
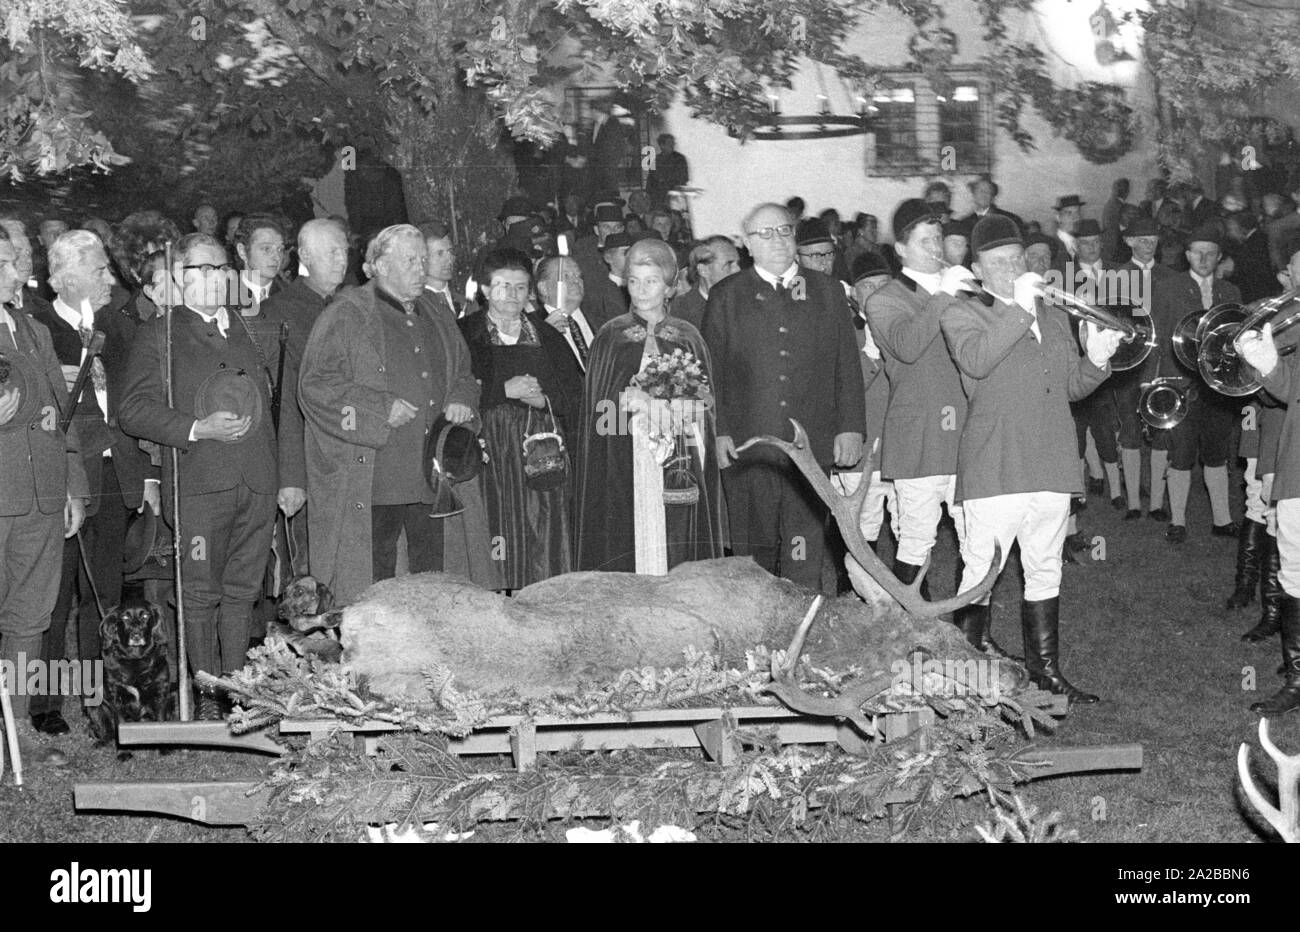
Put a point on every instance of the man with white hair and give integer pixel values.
(82, 281)
(373, 382)
(26, 298)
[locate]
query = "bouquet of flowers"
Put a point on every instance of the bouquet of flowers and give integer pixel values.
(673, 392)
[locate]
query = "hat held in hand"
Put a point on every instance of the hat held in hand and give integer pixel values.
(232, 390)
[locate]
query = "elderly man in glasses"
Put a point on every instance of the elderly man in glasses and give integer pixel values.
(783, 348)
(220, 421)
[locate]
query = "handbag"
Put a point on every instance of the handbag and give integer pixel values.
(546, 460)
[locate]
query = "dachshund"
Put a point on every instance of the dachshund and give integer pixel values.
(137, 683)
(308, 619)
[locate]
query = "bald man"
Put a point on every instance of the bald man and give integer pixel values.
(323, 252)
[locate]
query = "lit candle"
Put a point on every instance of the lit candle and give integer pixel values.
(823, 105)
(775, 103)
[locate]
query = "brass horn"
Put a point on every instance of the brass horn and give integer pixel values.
(1218, 357)
(1163, 403)
(1186, 339)
(1139, 334)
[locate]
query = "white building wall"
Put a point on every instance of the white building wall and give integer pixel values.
(832, 173)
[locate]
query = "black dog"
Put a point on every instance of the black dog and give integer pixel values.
(308, 618)
(137, 684)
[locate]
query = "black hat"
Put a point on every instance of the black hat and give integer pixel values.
(811, 232)
(619, 240)
(608, 197)
(608, 213)
(18, 372)
(147, 541)
(516, 206)
(1035, 239)
(528, 227)
(957, 228)
(993, 231)
(867, 265)
(1142, 225)
(452, 455)
(233, 390)
(1087, 227)
(1206, 233)
(909, 213)
(1069, 200)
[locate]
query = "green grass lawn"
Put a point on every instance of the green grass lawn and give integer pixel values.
(1145, 628)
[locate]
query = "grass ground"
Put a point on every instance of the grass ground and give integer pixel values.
(1144, 627)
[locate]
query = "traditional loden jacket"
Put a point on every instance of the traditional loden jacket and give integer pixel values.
(1019, 436)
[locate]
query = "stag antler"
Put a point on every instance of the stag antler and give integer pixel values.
(1286, 819)
(847, 510)
(847, 705)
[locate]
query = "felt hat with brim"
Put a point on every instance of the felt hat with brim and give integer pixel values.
(233, 390)
(618, 241)
(957, 228)
(452, 455)
(868, 265)
(1087, 228)
(608, 213)
(17, 372)
(909, 213)
(1042, 239)
(147, 538)
(993, 231)
(1069, 200)
(1142, 225)
(811, 232)
(1206, 233)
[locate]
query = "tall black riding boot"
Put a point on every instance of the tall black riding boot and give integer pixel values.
(1286, 699)
(1270, 594)
(976, 622)
(906, 573)
(1251, 541)
(1040, 622)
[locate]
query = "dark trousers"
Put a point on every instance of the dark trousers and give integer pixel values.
(226, 536)
(776, 518)
(1206, 431)
(423, 539)
(1097, 411)
(1127, 393)
(102, 534)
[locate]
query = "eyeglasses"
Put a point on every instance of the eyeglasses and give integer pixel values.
(816, 255)
(209, 267)
(503, 288)
(785, 231)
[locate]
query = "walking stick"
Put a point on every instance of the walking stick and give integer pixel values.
(182, 659)
(7, 710)
(93, 349)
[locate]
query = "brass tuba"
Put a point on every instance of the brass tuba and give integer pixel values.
(1218, 360)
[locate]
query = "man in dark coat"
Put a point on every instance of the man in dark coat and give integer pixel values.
(767, 327)
(220, 422)
(374, 379)
(44, 493)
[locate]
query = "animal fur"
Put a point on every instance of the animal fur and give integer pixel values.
(137, 684)
(590, 626)
(307, 619)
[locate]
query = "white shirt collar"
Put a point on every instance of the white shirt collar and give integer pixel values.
(8, 322)
(785, 278)
(259, 292)
(927, 280)
(221, 318)
(77, 319)
(1145, 266)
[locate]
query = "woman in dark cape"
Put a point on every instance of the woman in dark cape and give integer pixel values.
(522, 364)
(605, 490)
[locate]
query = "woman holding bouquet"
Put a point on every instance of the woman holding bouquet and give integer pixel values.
(648, 372)
(531, 385)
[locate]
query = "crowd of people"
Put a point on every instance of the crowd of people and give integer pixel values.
(309, 393)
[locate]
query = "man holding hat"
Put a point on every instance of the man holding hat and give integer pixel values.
(1206, 431)
(44, 492)
(228, 481)
(1020, 365)
(927, 406)
(1067, 218)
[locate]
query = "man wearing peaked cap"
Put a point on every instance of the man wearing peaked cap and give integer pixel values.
(1016, 468)
(926, 409)
(1206, 430)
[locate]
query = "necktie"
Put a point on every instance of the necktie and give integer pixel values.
(780, 288)
(579, 343)
(1207, 293)
(97, 376)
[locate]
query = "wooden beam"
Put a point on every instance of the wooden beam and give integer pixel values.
(194, 734)
(224, 803)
